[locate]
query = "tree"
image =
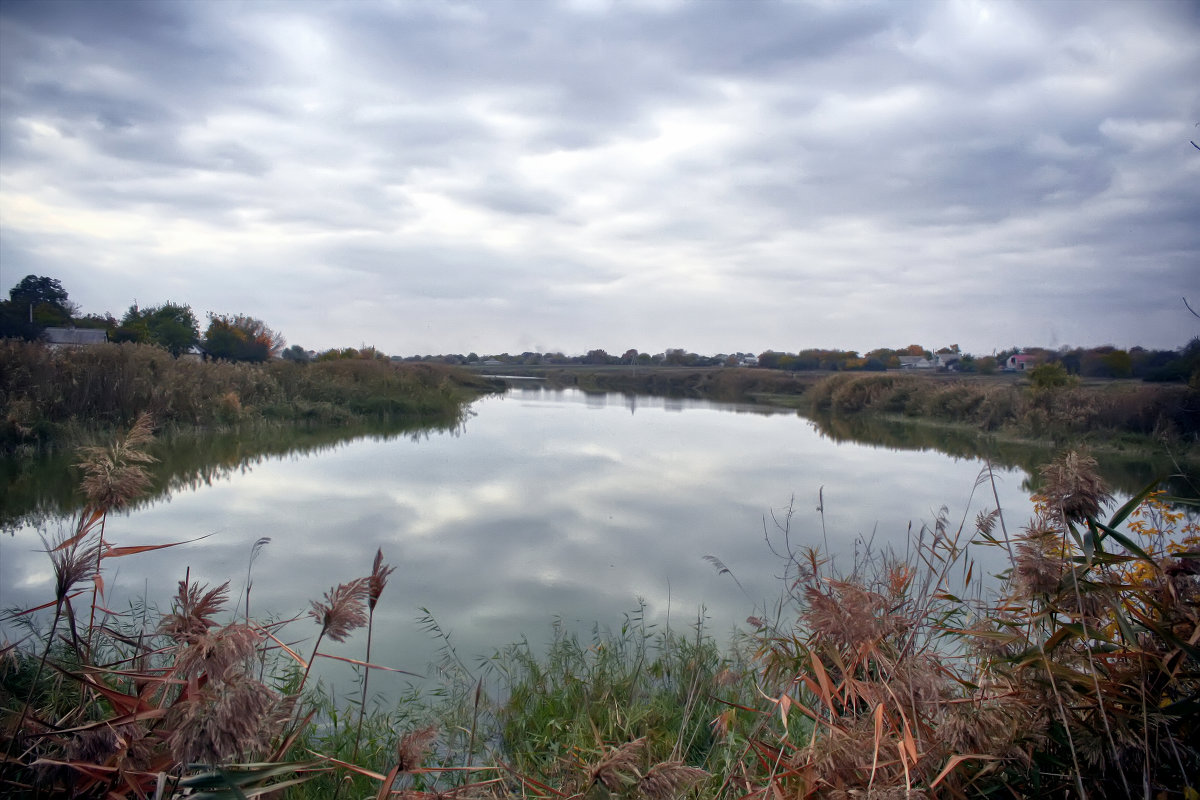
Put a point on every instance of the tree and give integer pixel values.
(174, 327)
(171, 326)
(1049, 375)
(34, 304)
(241, 338)
(295, 353)
(596, 357)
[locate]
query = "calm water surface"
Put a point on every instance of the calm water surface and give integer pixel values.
(545, 505)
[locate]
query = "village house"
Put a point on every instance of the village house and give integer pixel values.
(948, 358)
(1020, 362)
(57, 338)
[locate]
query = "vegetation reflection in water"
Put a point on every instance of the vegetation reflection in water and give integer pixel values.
(42, 489)
(1126, 471)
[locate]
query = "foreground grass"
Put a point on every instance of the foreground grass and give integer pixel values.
(1076, 673)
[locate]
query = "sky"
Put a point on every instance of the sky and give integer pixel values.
(448, 177)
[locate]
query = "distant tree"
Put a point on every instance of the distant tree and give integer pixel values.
(1049, 375)
(241, 338)
(34, 304)
(295, 353)
(771, 359)
(1118, 363)
(596, 357)
(171, 326)
(104, 321)
(133, 327)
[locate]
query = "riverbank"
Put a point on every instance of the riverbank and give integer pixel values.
(1105, 415)
(58, 399)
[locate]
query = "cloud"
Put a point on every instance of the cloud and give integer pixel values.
(716, 176)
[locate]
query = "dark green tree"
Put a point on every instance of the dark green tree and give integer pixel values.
(171, 326)
(174, 327)
(295, 353)
(33, 305)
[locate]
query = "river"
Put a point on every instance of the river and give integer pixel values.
(542, 506)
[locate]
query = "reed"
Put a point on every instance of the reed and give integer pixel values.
(1068, 414)
(54, 398)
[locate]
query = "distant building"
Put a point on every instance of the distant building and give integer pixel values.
(1019, 362)
(193, 353)
(947, 359)
(915, 362)
(73, 337)
(748, 361)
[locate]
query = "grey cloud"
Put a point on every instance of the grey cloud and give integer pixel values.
(927, 150)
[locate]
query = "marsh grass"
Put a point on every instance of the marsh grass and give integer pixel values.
(1074, 673)
(1067, 413)
(56, 397)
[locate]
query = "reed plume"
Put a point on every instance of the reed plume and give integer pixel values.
(669, 780)
(113, 477)
(376, 582)
(341, 612)
(1074, 487)
(194, 610)
(619, 766)
(72, 564)
(413, 747)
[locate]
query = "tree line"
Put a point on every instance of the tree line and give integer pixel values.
(39, 302)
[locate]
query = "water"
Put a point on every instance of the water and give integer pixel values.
(542, 506)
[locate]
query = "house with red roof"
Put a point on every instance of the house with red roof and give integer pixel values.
(1020, 362)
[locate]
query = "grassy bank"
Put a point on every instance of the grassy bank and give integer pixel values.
(58, 397)
(1123, 414)
(1094, 414)
(1076, 673)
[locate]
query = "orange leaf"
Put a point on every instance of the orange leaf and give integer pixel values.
(955, 761)
(16, 614)
(98, 579)
(347, 765)
(822, 676)
(117, 552)
(909, 743)
(84, 528)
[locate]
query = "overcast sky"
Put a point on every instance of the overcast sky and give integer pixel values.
(439, 177)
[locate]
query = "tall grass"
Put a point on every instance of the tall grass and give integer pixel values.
(53, 397)
(1065, 413)
(1074, 673)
